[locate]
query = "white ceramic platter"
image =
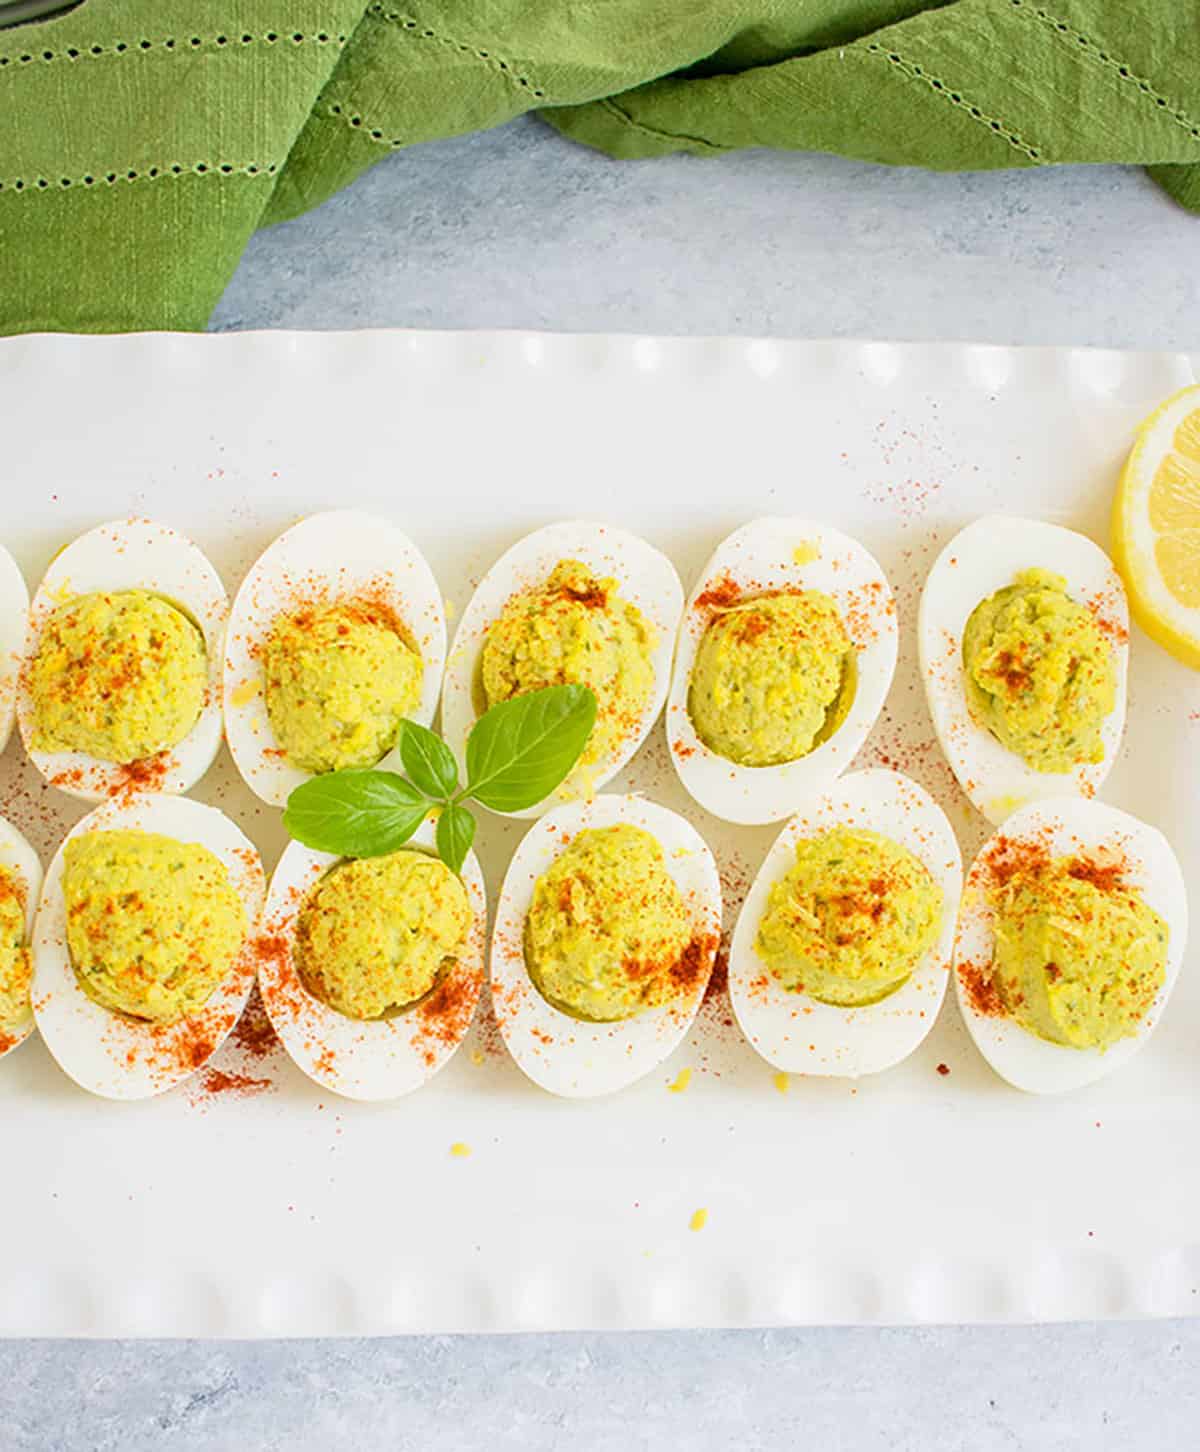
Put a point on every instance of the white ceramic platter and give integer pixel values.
(249, 1201)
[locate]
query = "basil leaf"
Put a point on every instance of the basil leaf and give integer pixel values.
(455, 833)
(428, 761)
(520, 750)
(355, 813)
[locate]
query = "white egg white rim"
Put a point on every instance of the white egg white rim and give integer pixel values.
(571, 1057)
(105, 1053)
(368, 1061)
(758, 558)
(14, 626)
(645, 578)
(131, 554)
(1066, 826)
(342, 554)
(19, 858)
(981, 559)
(798, 1033)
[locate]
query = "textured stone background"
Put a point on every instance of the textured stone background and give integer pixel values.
(520, 229)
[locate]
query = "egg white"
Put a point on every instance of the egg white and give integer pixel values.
(109, 1054)
(644, 577)
(981, 559)
(365, 1060)
(572, 1057)
(1067, 826)
(14, 623)
(761, 558)
(342, 554)
(796, 1032)
(19, 858)
(131, 554)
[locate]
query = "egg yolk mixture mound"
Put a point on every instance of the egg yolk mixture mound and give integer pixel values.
(1039, 673)
(16, 966)
(773, 676)
(120, 676)
(377, 934)
(153, 925)
(338, 681)
(1079, 956)
(607, 935)
(574, 630)
(851, 919)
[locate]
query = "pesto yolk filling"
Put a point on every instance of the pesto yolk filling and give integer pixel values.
(16, 968)
(851, 919)
(1079, 955)
(574, 630)
(338, 682)
(607, 935)
(153, 924)
(1039, 673)
(118, 675)
(376, 934)
(773, 676)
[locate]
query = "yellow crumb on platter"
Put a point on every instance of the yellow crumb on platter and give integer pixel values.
(806, 552)
(699, 1220)
(1004, 806)
(243, 694)
(782, 1082)
(459, 1150)
(682, 1080)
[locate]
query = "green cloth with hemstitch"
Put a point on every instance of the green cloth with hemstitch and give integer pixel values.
(142, 144)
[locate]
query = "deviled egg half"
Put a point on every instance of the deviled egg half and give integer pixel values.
(20, 885)
(786, 653)
(574, 603)
(606, 932)
(1072, 930)
(1024, 647)
(14, 623)
(372, 967)
(337, 635)
(119, 689)
(841, 955)
(144, 944)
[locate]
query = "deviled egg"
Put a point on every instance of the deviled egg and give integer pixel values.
(14, 623)
(1072, 931)
(144, 943)
(20, 884)
(337, 635)
(574, 603)
(372, 967)
(120, 685)
(785, 657)
(841, 955)
(1024, 648)
(606, 932)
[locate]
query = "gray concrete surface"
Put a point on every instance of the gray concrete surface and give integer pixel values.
(520, 229)
(982, 1390)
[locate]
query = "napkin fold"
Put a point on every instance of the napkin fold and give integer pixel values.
(140, 150)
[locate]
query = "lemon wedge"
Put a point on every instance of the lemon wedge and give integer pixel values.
(1156, 526)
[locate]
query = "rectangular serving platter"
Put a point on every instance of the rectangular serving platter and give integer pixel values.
(249, 1203)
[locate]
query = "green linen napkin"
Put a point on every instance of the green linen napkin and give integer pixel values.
(139, 149)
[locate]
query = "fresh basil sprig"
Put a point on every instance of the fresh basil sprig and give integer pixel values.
(517, 753)
(428, 761)
(521, 749)
(349, 811)
(455, 833)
